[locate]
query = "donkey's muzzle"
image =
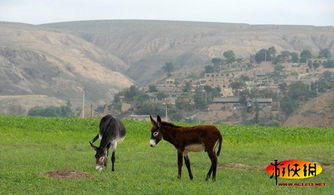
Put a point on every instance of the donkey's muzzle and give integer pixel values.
(152, 143)
(99, 168)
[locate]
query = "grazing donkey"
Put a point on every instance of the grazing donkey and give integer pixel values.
(111, 132)
(188, 139)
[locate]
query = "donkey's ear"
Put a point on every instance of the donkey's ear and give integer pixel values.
(153, 121)
(159, 121)
(94, 147)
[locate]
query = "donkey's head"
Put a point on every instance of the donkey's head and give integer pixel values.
(156, 135)
(101, 157)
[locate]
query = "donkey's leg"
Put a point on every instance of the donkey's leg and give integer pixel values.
(209, 173)
(179, 163)
(113, 155)
(186, 160)
(95, 138)
(113, 161)
(213, 158)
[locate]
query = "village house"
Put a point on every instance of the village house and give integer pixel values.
(170, 88)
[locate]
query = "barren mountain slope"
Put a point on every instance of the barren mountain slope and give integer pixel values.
(34, 60)
(318, 112)
(148, 45)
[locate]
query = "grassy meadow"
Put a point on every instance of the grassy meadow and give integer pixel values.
(31, 146)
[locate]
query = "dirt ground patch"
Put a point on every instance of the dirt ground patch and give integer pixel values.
(239, 166)
(67, 174)
(233, 166)
(328, 167)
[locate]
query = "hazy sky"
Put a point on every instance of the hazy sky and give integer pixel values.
(308, 12)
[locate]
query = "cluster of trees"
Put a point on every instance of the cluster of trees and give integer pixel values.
(290, 96)
(188, 101)
(271, 55)
(229, 57)
(287, 56)
(139, 100)
(51, 111)
(298, 93)
(131, 95)
(265, 55)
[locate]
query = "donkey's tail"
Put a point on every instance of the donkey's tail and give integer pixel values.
(220, 139)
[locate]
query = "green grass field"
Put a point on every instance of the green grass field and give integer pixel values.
(31, 146)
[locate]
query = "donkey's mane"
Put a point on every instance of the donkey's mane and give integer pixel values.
(169, 124)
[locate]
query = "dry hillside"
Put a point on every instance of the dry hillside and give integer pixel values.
(318, 112)
(148, 45)
(35, 60)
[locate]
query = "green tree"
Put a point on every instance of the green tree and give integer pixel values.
(142, 97)
(288, 105)
(305, 55)
(243, 95)
(187, 87)
(283, 88)
(299, 91)
(217, 61)
(152, 88)
(150, 108)
(230, 56)
(200, 99)
(325, 53)
(100, 109)
(244, 78)
(168, 68)
(161, 95)
(132, 93)
(174, 113)
(51, 111)
(315, 65)
(36, 111)
(278, 59)
(261, 56)
(285, 54)
(278, 68)
(237, 85)
(209, 69)
(328, 64)
(271, 52)
(265, 55)
(294, 57)
(211, 93)
(183, 103)
(328, 76)
(66, 111)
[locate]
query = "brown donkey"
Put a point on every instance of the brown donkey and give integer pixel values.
(188, 139)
